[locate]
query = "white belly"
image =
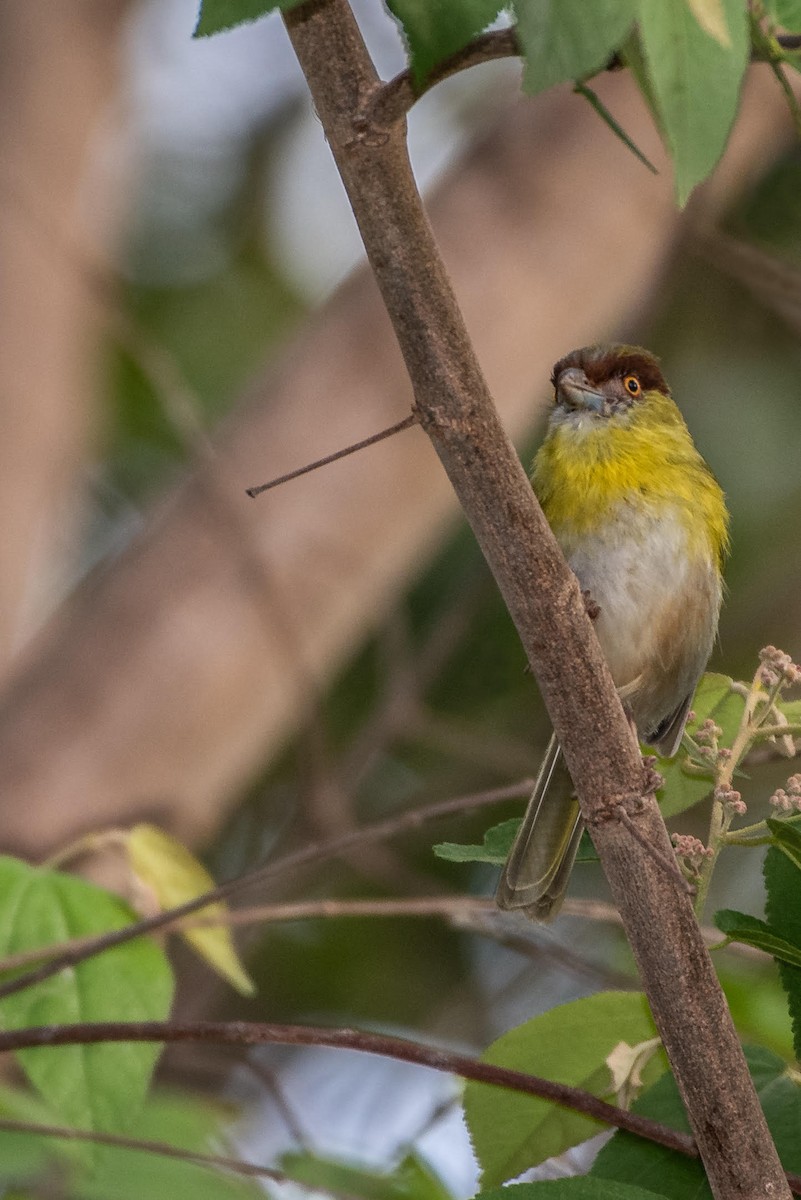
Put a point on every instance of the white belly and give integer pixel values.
(658, 606)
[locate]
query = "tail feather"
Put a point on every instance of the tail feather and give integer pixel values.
(536, 873)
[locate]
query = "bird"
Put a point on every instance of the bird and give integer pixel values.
(643, 523)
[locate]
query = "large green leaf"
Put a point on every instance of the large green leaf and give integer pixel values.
(629, 1159)
(696, 82)
(569, 39)
(569, 1044)
(783, 911)
(217, 15)
(435, 29)
(96, 1087)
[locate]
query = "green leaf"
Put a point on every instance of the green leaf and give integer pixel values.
(412, 1179)
(710, 16)
(783, 912)
(217, 15)
(788, 838)
(579, 1188)
(681, 790)
(569, 1044)
(494, 849)
(569, 39)
(696, 82)
(629, 1159)
(786, 13)
(586, 850)
(186, 1122)
(22, 1155)
(436, 29)
(791, 710)
(741, 927)
(715, 699)
(497, 844)
(96, 1087)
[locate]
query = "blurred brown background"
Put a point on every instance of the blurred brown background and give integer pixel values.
(183, 313)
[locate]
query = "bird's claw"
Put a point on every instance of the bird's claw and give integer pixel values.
(593, 610)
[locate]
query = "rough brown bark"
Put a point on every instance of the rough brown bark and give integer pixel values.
(544, 600)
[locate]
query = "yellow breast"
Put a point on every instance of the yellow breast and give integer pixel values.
(587, 467)
(643, 523)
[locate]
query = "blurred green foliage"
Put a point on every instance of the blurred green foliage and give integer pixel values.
(471, 716)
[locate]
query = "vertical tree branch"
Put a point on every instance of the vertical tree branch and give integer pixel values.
(454, 407)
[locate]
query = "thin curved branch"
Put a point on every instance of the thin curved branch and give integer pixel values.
(315, 852)
(390, 102)
(244, 1033)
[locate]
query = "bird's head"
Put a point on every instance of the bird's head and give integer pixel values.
(605, 383)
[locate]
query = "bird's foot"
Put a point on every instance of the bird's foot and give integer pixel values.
(593, 609)
(653, 781)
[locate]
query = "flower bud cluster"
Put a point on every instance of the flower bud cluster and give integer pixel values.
(706, 738)
(708, 733)
(788, 799)
(731, 800)
(777, 668)
(690, 850)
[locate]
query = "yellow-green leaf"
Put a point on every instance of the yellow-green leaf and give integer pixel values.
(174, 875)
(710, 16)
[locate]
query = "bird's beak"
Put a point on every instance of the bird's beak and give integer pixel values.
(573, 391)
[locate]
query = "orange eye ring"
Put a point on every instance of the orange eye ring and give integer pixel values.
(632, 385)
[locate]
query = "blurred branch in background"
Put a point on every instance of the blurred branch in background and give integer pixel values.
(158, 687)
(59, 74)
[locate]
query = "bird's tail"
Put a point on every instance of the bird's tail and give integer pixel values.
(535, 876)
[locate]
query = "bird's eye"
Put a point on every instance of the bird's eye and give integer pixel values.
(632, 385)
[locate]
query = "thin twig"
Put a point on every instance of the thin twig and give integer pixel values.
(406, 423)
(308, 854)
(268, 1078)
(391, 101)
(147, 1146)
